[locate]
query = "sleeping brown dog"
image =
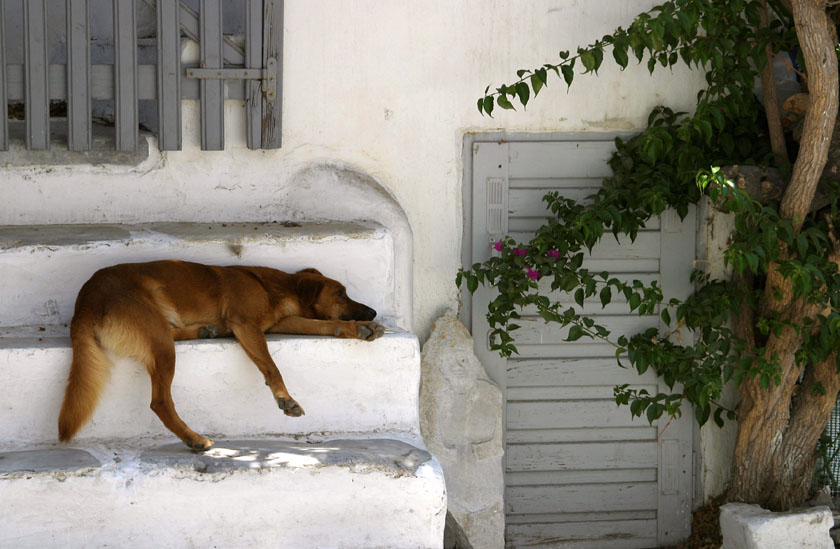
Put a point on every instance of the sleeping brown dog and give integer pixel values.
(140, 309)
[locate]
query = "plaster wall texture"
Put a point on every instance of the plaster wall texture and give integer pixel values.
(384, 89)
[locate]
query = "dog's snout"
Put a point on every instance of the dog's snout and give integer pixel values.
(367, 313)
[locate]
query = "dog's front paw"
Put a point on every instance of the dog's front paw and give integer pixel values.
(290, 407)
(370, 330)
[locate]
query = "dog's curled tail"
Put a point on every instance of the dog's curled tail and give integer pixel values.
(88, 375)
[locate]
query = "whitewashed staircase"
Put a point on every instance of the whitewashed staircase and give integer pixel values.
(352, 472)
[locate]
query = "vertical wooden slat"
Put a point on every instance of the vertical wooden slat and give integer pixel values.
(169, 75)
(212, 91)
(37, 98)
(253, 60)
(78, 75)
(125, 75)
(675, 463)
(273, 48)
(4, 101)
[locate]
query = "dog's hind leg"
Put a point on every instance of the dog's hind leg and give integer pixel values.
(161, 371)
(253, 342)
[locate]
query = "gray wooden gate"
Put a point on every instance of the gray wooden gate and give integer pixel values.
(578, 470)
(252, 71)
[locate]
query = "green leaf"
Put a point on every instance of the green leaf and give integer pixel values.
(503, 102)
(472, 283)
(579, 296)
(701, 414)
(666, 317)
(537, 83)
(719, 417)
(598, 53)
(575, 333)
(620, 55)
(488, 105)
(605, 295)
(752, 13)
(654, 412)
(587, 57)
(524, 93)
(685, 20)
(568, 74)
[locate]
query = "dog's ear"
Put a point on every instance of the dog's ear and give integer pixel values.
(311, 270)
(308, 290)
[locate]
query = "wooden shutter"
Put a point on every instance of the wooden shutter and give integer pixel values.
(227, 70)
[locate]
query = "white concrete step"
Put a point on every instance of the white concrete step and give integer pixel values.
(242, 493)
(43, 267)
(344, 386)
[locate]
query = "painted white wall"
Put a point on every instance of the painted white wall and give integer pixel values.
(389, 89)
(717, 444)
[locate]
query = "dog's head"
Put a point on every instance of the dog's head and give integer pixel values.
(327, 298)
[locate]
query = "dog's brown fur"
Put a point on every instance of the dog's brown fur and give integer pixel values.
(140, 309)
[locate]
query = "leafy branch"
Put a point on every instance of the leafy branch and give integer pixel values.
(668, 166)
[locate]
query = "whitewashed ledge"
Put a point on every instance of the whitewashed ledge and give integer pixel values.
(746, 526)
(349, 493)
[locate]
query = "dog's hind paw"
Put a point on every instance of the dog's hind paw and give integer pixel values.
(290, 407)
(199, 446)
(208, 332)
(370, 331)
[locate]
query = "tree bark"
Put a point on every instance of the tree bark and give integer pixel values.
(793, 464)
(771, 98)
(767, 436)
(815, 32)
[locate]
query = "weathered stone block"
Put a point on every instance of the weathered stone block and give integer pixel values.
(746, 526)
(461, 422)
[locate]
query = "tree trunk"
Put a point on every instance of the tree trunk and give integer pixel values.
(793, 463)
(772, 447)
(771, 98)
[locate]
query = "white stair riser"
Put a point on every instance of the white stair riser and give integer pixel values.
(344, 386)
(41, 282)
(326, 507)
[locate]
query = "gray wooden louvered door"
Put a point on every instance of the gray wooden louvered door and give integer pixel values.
(579, 471)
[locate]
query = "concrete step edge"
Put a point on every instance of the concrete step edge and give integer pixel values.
(343, 385)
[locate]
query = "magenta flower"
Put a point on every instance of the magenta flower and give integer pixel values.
(498, 245)
(532, 274)
(519, 252)
(552, 253)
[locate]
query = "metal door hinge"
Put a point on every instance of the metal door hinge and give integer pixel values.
(268, 76)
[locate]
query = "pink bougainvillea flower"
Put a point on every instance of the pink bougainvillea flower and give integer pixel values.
(552, 253)
(498, 245)
(532, 274)
(519, 252)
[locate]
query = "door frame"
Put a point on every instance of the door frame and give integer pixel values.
(472, 138)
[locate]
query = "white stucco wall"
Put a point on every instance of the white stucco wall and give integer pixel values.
(387, 88)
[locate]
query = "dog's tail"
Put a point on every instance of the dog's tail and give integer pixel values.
(88, 374)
